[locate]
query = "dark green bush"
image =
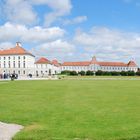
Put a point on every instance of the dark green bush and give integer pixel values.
(138, 73)
(65, 72)
(82, 73)
(73, 73)
(89, 73)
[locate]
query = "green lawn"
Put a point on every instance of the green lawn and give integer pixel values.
(97, 77)
(72, 109)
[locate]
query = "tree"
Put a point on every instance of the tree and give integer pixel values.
(65, 72)
(131, 73)
(99, 73)
(138, 73)
(115, 73)
(82, 73)
(73, 73)
(123, 73)
(89, 73)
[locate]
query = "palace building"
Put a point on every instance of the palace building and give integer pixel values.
(95, 65)
(19, 61)
(45, 67)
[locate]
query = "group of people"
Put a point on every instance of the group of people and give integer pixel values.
(9, 76)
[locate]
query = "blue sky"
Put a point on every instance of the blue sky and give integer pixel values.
(71, 30)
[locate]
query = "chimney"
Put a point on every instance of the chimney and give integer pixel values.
(18, 44)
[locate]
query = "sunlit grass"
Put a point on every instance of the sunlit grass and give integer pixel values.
(69, 109)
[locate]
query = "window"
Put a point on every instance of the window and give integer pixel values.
(24, 57)
(24, 72)
(9, 64)
(14, 64)
(4, 64)
(19, 64)
(24, 64)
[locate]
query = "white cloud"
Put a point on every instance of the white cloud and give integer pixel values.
(35, 34)
(60, 8)
(21, 11)
(6, 45)
(109, 43)
(56, 49)
(75, 20)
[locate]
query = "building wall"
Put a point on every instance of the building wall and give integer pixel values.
(97, 67)
(43, 70)
(24, 65)
(19, 64)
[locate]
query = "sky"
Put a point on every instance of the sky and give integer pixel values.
(73, 30)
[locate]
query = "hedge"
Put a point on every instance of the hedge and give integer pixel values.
(101, 73)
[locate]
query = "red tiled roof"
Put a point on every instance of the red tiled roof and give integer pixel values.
(119, 64)
(132, 64)
(14, 51)
(55, 62)
(43, 61)
(86, 63)
(99, 63)
(94, 61)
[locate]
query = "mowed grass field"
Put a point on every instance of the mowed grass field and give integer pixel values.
(72, 109)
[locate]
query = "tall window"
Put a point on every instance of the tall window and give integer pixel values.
(24, 72)
(14, 64)
(24, 64)
(9, 64)
(18, 64)
(4, 64)
(19, 72)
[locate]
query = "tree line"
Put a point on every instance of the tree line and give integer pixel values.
(101, 73)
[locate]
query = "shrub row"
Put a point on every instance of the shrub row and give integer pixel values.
(101, 73)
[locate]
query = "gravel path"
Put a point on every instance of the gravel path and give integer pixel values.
(7, 131)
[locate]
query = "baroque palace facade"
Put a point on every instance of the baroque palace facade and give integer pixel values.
(18, 60)
(95, 65)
